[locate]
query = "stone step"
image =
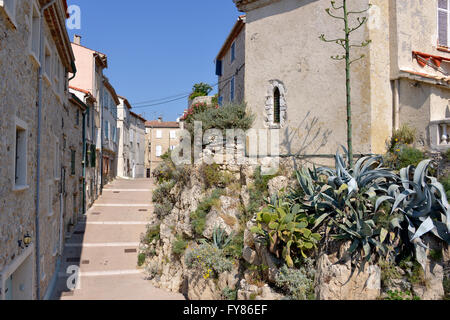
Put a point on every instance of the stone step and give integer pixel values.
(92, 234)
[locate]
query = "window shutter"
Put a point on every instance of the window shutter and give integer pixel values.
(219, 68)
(443, 28)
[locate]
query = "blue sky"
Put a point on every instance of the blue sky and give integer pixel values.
(157, 49)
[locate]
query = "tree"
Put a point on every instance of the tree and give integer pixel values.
(346, 44)
(200, 90)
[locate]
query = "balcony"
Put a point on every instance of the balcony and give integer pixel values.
(439, 134)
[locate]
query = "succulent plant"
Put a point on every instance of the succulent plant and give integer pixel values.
(220, 238)
(287, 228)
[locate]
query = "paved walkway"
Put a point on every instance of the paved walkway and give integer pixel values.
(105, 248)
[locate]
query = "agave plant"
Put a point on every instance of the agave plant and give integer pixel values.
(345, 198)
(220, 238)
(424, 205)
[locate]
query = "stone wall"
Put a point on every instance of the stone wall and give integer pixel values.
(18, 92)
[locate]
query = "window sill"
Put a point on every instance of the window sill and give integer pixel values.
(8, 15)
(34, 59)
(47, 78)
(443, 49)
(20, 188)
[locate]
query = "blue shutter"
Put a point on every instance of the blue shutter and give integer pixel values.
(219, 68)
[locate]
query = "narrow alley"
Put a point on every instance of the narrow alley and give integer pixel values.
(105, 247)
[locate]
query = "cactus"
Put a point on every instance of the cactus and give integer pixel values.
(287, 229)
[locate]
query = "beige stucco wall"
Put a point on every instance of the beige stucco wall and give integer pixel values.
(282, 44)
(283, 48)
(229, 69)
(151, 160)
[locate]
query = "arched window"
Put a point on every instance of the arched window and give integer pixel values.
(276, 106)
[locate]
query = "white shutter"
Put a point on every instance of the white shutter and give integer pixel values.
(443, 16)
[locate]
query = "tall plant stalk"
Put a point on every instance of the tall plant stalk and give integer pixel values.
(346, 44)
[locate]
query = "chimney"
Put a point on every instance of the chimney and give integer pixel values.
(77, 39)
(160, 119)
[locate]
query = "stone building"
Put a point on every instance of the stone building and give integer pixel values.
(131, 154)
(137, 145)
(160, 137)
(91, 169)
(110, 138)
(90, 78)
(291, 83)
(230, 65)
(35, 58)
(72, 176)
(123, 127)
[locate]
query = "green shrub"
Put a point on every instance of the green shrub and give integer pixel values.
(298, 283)
(236, 246)
(211, 174)
(446, 183)
(409, 157)
(163, 209)
(200, 90)
(258, 192)
(162, 193)
(446, 288)
(179, 246)
(389, 273)
(198, 217)
(230, 116)
(141, 259)
(209, 259)
(436, 255)
(399, 295)
(404, 136)
(229, 294)
(153, 233)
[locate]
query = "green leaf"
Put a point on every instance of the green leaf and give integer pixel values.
(266, 218)
(274, 225)
(383, 234)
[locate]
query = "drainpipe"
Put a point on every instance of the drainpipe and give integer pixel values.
(38, 171)
(84, 159)
(396, 104)
(101, 149)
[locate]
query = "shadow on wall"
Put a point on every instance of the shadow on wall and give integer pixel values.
(278, 8)
(299, 138)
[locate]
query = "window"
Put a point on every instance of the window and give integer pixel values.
(77, 117)
(57, 160)
(173, 134)
(158, 151)
(106, 130)
(443, 22)
(10, 7)
(276, 106)
(93, 155)
(159, 134)
(114, 134)
(20, 162)
(88, 117)
(50, 198)
(233, 52)
(73, 154)
(35, 31)
(232, 89)
(220, 101)
(172, 148)
(131, 137)
(219, 68)
(48, 62)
